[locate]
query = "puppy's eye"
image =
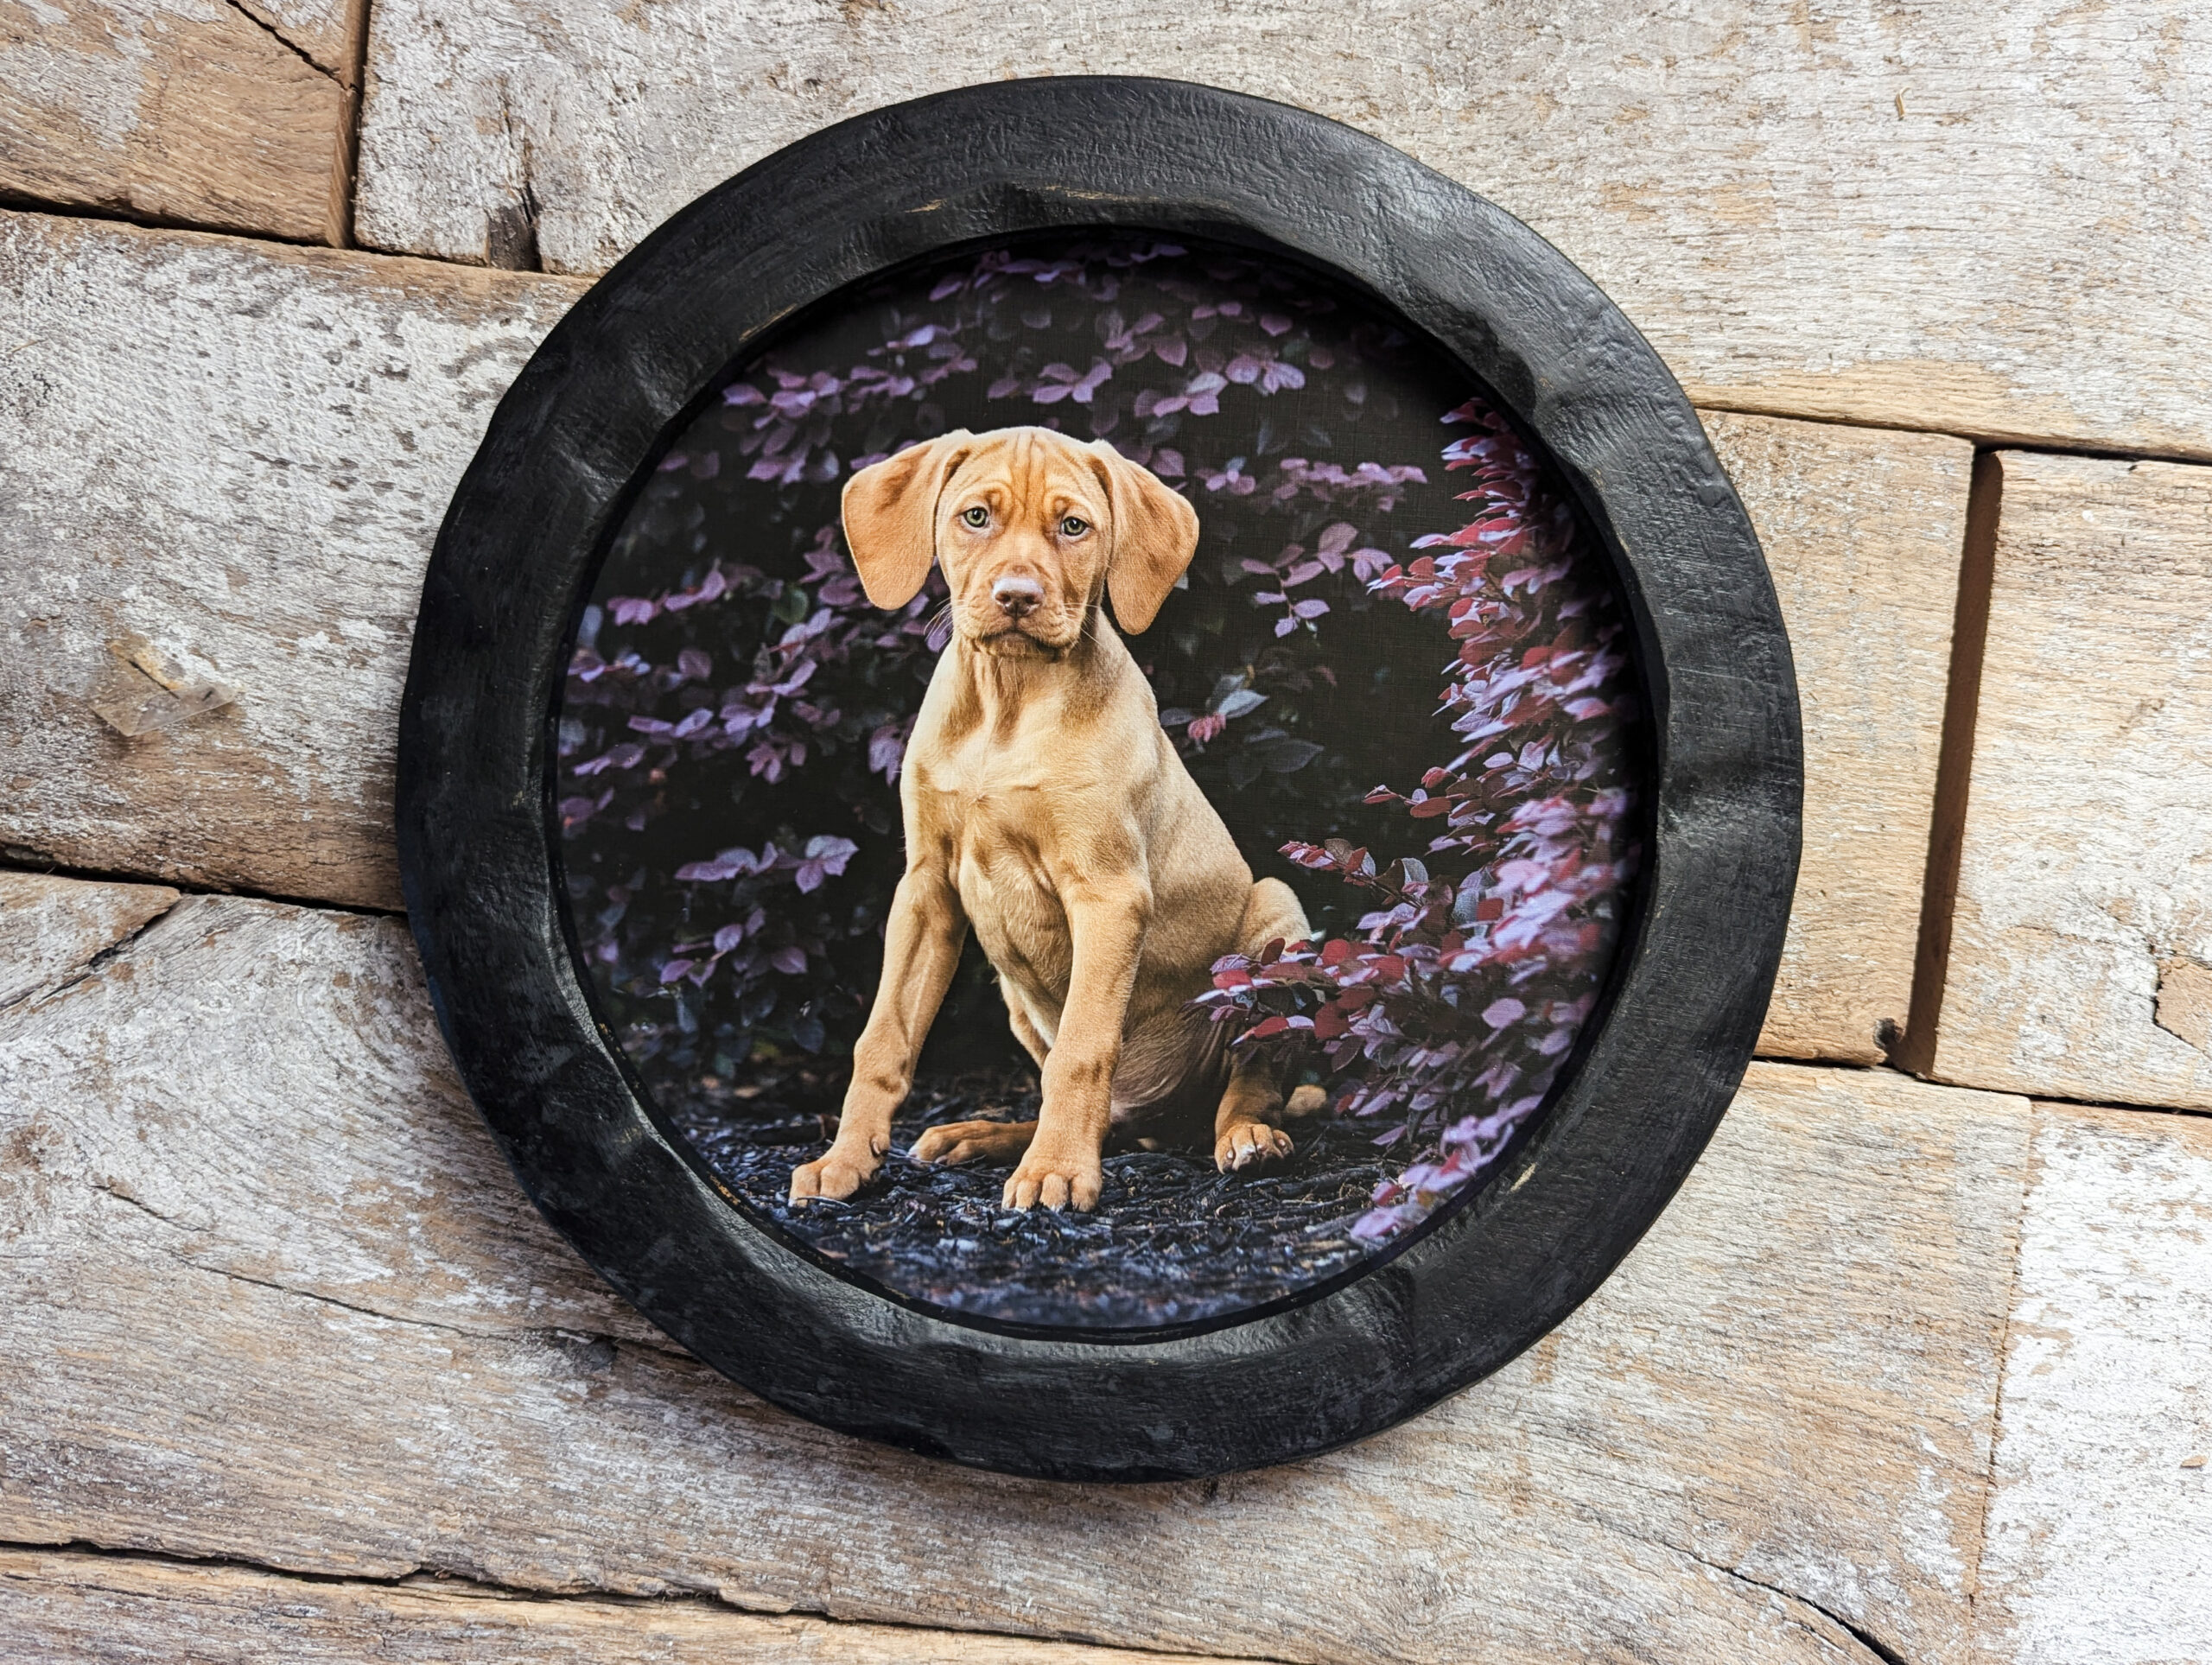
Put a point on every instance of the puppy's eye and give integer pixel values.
(979, 516)
(1074, 526)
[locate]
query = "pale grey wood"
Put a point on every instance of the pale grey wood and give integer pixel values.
(2100, 1538)
(50, 928)
(272, 1296)
(1983, 220)
(195, 111)
(1863, 532)
(2084, 906)
(241, 453)
(109, 1610)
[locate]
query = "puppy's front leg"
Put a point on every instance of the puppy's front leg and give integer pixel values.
(1106, 921)
(921, 951)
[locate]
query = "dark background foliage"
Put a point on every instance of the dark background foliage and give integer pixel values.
(736, 711)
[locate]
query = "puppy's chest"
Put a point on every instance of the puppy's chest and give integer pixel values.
(1004, 819)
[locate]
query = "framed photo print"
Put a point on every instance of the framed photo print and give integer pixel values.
(1098, 780)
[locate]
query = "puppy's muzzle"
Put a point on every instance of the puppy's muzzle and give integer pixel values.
(1017, 597)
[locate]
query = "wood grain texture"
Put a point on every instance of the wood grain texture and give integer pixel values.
(108, 1610)
(50, 928)
(2083, 922)
(2100, 1538)
(273, 1297)
(193, 111)
(242, 453)
(1862, 533)
(262, 514)
(327, 32)
(1882, 213)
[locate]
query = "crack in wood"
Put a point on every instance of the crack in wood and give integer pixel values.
(572, 1342)
(286, 42)
(86, 969)
(432, 1579)
(1997, 1413)
(1858, 1632)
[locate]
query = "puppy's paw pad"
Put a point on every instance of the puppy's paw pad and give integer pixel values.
(833, 1178)
(1056, 1184)
(1250, 1144)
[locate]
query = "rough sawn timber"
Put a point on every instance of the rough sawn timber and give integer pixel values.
(241, 453)
(2100, 1539)
(192, 111)
(274, 1297)
(118, 1608)
(1985, 221)
(51, 927)
(2079, 960)
(1863, 532)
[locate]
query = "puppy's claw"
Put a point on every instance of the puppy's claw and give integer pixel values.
(1250, 1144)
(1057, 1185)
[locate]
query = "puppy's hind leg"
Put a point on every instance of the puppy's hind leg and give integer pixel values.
(1247, 1128)
(956, 1142)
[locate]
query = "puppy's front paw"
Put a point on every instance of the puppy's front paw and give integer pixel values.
(835, 1176)
(1059, 1182)
(1248, 1143)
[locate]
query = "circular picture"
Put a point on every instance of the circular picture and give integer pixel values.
(1098, 784)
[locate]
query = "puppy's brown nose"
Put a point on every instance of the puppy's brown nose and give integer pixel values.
(1017, 597)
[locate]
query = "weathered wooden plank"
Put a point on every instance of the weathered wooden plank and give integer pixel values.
(1863, 532)
(327, 32)
(107, 1610)
(1985, 221)
(51, 927)
(241, 453)
(2100, 1537)
(2080, 942)
(272, 1295)
(195, 112)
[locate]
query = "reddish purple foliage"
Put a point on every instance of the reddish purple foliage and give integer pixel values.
(1448, 1020)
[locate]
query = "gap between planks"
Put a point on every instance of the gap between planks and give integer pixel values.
(1939, 890)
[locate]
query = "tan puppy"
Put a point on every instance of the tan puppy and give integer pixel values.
(1046, 809)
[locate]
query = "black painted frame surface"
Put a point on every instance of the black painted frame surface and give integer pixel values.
(522, 543)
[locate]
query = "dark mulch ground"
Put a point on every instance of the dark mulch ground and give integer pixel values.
(1171, 1241)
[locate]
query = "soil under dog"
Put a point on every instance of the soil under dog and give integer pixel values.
(1172, 1241)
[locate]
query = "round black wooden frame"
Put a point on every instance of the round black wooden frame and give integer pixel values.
(598, 403)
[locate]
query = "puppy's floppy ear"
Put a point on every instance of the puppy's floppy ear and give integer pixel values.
(1155, 534)
(890, 514)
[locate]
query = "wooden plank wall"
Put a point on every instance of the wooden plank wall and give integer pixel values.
(1916, 1368)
